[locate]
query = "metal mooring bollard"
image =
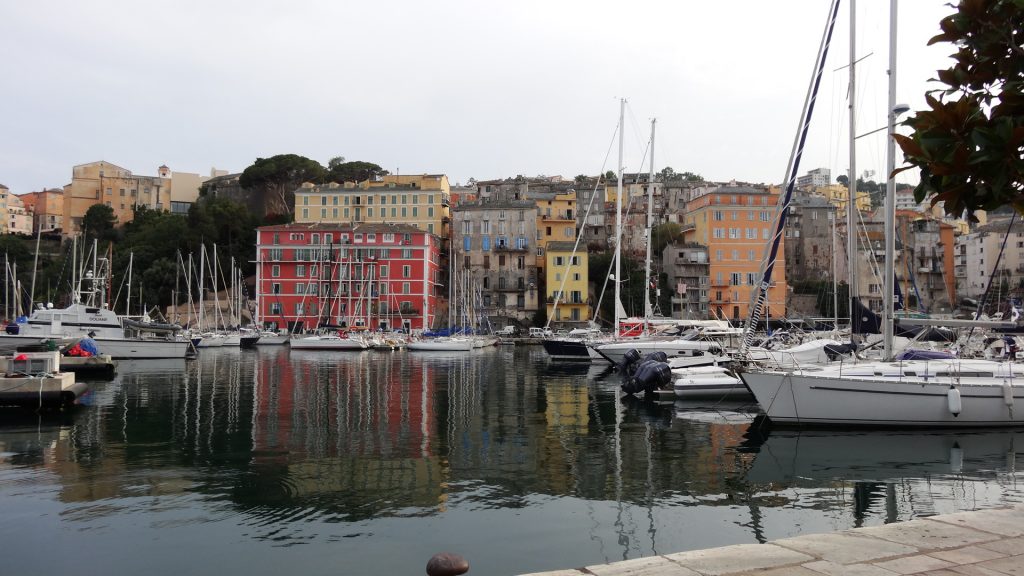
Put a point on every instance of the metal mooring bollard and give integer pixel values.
(447, 564)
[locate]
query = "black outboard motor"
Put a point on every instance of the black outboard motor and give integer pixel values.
(648, 376)
(629, 361)
(834, 352)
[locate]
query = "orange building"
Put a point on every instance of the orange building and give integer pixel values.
(47, 208)
(736, 223)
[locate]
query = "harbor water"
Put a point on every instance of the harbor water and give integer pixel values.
(324, 463)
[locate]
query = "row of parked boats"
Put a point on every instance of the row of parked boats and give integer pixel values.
(819, 379)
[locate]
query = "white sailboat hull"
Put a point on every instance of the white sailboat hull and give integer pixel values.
(328, 343)
(915, 397)
(614, 352)
(455, 345)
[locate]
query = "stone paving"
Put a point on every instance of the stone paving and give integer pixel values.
(982, 543)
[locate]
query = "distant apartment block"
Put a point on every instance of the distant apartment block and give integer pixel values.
(19, 220)
(376, 276)
(736, 222)
(46, 207)
(422, 201)
(568, 301)
(114, 186)
(494, 252)
(815, 178)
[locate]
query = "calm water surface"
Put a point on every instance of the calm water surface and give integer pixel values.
(301, 462)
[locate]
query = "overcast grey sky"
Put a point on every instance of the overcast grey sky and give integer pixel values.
(468, 88)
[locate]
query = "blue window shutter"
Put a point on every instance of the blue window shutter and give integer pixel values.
(487, 243)
(466, 243)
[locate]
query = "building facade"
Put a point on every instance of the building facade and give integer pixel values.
(686, 267)
(5, 192)
(494, 243)
(47, 208)
(422, 201)
(116, 187)
(568, 300)
(378, 276)
(736, 223)
(19, 220)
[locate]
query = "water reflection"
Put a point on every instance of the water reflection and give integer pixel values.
(385, 458)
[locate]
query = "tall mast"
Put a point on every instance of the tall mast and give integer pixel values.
(202, 294)
(851, 203)
(648, 309)
(35, 265)
(889, 281)
(618, 221)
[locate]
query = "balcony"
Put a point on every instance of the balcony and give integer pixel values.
(559, 217)
(511, 248)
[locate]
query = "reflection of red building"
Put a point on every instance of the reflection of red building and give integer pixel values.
(374, 275)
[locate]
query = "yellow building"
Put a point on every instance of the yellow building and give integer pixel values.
(571, 296)
(422, 201)
(633, 186)
(736, 223)
(556, 219)
(839, 196)
(105, 183)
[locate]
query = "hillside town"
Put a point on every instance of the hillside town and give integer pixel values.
(393, 251)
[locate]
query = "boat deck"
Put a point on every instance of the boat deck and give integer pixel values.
(984, 542)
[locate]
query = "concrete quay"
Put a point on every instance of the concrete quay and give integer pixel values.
(981, 543)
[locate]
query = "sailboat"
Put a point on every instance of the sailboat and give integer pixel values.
(685, 351)
(943, 392)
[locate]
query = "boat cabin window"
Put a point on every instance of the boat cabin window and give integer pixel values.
(965, 374)
(92, 310)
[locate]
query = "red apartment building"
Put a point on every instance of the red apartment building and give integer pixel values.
(380, 276)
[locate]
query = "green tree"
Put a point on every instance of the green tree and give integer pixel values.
(691, 177)
(277, 178)
(99, 223)
(969, 144)
(663, 235)
(843, 179)
(610, 176)
(341, 172)
(667, 174)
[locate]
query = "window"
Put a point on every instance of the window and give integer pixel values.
(766, 234)
(765, 216)
(559, 261)
(405, 288)
(718, 233)
(300, 288)
(383, 271)
(467, 243)
(275, 307)
(734, 233)
(718, 216)
(312, 271)
(406, 271)
(752, 278)
(751, 233)
(275, 288)
(300, 271)
(275, 271)
(575, 260)
(570, 232)
(576, 277)
(486, 243)
(719, 255)
(735, 279)
(299, 309)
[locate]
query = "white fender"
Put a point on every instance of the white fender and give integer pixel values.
(1008, 393)
(953, 397)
